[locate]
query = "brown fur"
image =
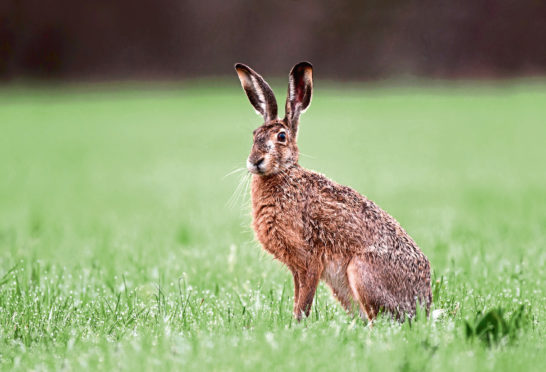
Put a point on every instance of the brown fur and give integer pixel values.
(322, 230)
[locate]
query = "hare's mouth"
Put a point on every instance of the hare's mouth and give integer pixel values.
(256, 170)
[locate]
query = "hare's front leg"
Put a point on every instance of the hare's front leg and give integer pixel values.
(308, 282)
(296, 289)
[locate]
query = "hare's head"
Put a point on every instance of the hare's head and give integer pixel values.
(275, 148)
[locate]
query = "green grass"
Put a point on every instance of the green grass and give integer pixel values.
(119, 248)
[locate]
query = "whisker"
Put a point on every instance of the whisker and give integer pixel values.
(307, 156)
(246, 195)
(242, 194)
(233, 200)
(234, 171)
(285, 175)
(245, 198)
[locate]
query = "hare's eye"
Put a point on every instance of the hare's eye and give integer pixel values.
(281, 137)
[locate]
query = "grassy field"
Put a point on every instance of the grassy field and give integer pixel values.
(125, 244)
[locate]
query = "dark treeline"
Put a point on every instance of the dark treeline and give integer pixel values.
(351, 39)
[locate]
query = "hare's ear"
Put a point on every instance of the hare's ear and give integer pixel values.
(300, 88)
(258, 91)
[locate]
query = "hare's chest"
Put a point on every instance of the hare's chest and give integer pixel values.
(278, 228)
(274, 222)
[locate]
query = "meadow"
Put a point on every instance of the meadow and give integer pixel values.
(125, 240)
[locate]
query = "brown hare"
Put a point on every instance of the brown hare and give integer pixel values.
(322, 230)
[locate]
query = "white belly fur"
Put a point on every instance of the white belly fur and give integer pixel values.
(335, 275)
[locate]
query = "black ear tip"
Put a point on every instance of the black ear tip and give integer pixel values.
(302, 66)
(240, 66)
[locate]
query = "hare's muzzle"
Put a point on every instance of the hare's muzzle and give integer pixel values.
(256, 165)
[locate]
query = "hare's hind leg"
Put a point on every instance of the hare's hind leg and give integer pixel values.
(365, 288)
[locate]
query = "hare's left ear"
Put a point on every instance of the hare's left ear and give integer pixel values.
(259, 93)
(300, 89)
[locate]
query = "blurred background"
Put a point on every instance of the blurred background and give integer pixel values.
(348, 39)
(124, 134)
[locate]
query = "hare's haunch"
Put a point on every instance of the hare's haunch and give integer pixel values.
(322, 230)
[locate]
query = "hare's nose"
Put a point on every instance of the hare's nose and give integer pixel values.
(259, 162)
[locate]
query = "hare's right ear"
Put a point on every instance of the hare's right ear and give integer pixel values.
(300, 89)
(258, 91)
